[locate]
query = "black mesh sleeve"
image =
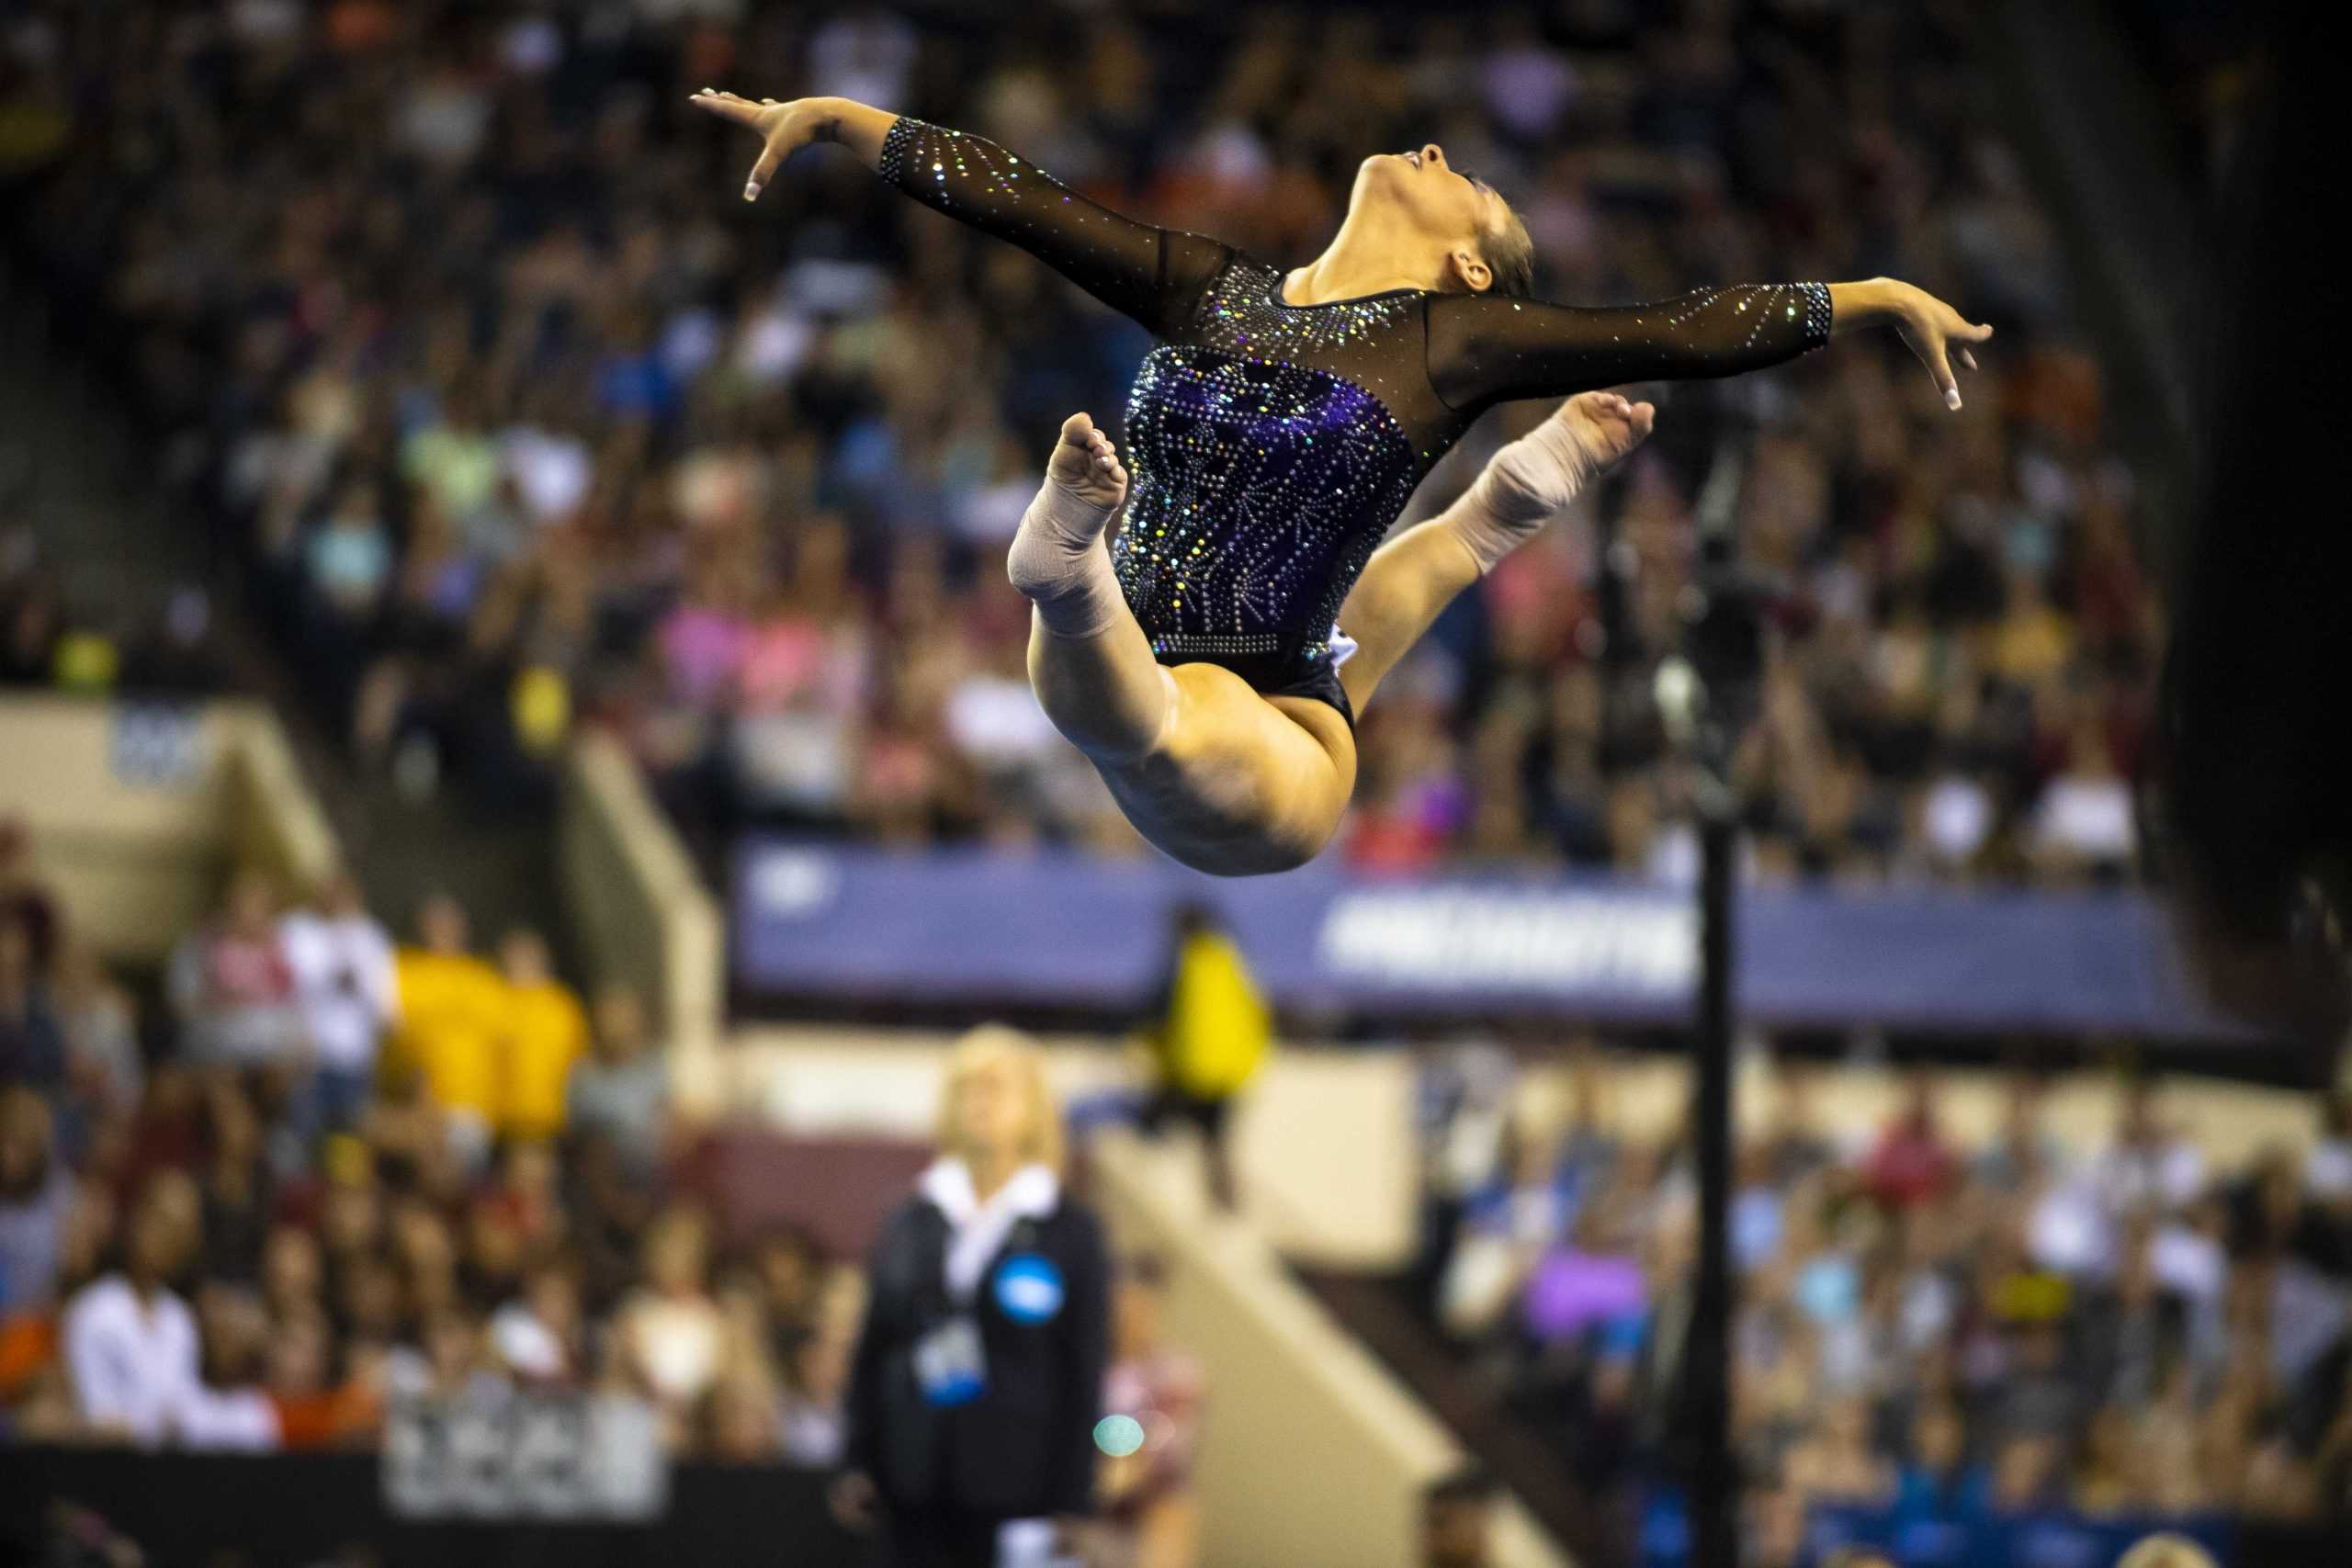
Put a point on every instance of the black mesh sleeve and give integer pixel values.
(1484, 349)
(1153, 274)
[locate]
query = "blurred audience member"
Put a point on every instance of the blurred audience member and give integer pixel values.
(620, 1091)
(1912, 1163)
(1150, 1514)
(452, 1006)
(233, 986)
(545, 1034)
(344, 978)
(25, 900)
(130, 1341)
(32, 1041)
(36, 1193)
(2167, 1550)
(671, 1330)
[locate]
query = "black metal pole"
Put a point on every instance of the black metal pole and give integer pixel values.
(1724, 660)
(1715, 1478)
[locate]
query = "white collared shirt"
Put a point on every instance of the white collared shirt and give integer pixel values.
(977, 1230)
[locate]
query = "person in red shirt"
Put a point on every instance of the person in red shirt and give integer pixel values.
(234, 986)
(1911, 1162)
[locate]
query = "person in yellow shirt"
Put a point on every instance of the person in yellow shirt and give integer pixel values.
(453, 1008)
(1213, 1032)
(546, 1031)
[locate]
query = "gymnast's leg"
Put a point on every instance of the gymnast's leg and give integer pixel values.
(1090, 662)
(1415, 575)
(1213, 774)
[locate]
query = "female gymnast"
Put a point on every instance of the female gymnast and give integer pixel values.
(1277, 431)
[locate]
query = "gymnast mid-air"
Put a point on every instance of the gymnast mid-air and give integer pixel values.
(1277, 431)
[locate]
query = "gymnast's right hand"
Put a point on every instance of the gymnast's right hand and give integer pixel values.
(784, 128)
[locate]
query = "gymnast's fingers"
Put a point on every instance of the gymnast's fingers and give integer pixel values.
(727, 106)
(770, 156)
(1927, 341)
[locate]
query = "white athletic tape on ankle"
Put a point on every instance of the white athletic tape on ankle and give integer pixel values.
(1060, 562)
(1522, 487)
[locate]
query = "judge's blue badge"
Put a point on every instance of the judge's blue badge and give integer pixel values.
(1029, 1288)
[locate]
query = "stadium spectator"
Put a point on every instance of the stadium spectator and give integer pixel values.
(130, 1341)
(1911, 1163)
(36, 1192)
(1151, 1516)
(620, 1090)
(341, 959)
(451, 1011)
(32, 1042)
(539, 1335)
(672, 1332)
(787, 1269)
(233, 986)
(812, 1414)
(2150, 1164)
(2167, 1550)
(105, 1068)
(25, 900)
(1838, 1464)
(545, 1034)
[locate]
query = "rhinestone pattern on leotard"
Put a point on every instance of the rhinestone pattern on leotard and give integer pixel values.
(1271, 446)
(1254, 474)
(1250, 483)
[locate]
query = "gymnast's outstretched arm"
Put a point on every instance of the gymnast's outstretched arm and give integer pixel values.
(1484, 349)
(1151, 273)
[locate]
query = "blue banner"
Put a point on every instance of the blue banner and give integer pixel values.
(1055, 928)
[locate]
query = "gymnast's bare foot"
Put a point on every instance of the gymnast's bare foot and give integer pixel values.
(1058, 559)
(1086, 464)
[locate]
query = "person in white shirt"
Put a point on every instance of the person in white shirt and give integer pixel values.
(344, 983)
(132, 1348)
(2150, 1164)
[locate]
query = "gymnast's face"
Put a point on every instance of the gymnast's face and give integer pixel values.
(1429, 205)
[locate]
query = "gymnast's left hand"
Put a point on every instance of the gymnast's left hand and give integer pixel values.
(784, 128)
(1929, 328)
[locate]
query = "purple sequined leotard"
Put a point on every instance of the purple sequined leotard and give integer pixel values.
(1271, 446)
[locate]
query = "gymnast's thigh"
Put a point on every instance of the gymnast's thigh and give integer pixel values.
(1241, 784)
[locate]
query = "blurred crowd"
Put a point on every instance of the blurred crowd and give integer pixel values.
(334, 1172)
(333, 1176)
(448, 317)
(53, 640)
(1932, 1333)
